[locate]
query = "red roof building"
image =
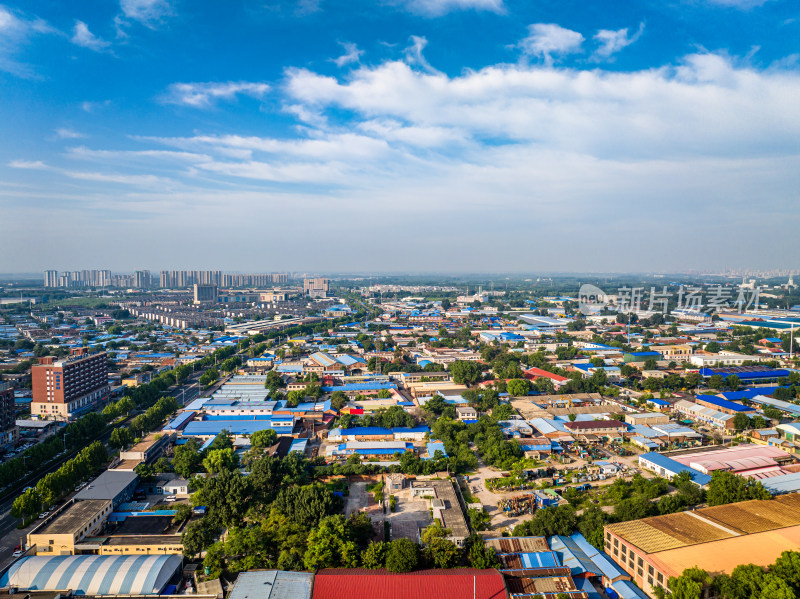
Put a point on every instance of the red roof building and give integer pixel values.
(537, 373)
(463, 583)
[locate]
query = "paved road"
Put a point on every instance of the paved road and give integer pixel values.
(10, 535)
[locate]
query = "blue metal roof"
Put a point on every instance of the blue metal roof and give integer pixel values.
(235, 427)
(600, 559)
(747, 375)
(749, 393)
(724, 403)
(179, 420)
(435, 446)
(572, 556)
(674, 467)
(625, 589)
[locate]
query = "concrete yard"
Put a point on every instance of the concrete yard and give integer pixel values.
(409, 516)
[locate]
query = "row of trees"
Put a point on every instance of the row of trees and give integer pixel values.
(51, 487)
(393, 417)
(780, 580)
(72, 436)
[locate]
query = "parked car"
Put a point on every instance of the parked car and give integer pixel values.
(17, 553)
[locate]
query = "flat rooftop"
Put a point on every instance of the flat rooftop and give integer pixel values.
(108, 485)
(74, 518)
(452, 514)
(145, 525)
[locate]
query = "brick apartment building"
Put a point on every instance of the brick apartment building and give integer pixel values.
(63, 389)
(9, 433)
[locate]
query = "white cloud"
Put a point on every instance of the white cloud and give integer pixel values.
(203, 95)
(414, 55)
(351, 54)
(16, 29)
(124, 179)
(28, 164)
(547, 39)
(146, 12)
(66, 133)
(8, 22)
(706, 105)
(81, 36)
(91, 107)
(741, 4)
(612, 41)
(437, 8)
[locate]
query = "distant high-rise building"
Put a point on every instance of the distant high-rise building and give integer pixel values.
(205, 293)
(142, 279)
(65, 388)
(315, 287)
(9, 433)
(51, 278)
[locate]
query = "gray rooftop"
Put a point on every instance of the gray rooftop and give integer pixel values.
(108, 485)
(272, 584)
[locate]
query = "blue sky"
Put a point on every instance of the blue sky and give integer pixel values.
(399, 135)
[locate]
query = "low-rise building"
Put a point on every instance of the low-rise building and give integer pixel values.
(704, 414)
(597, 427)
(715, 539)
(445, 505)
(647, 418)
(116, 486)
(60, 535)
(466, 413)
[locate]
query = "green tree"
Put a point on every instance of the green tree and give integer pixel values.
(120, 437)
(715, 381)
(27, 505)
(479, 519)
(787, 567)
(727, 487)
(693, 380)
(465, 372)
(741, 421)
(442, 553)
(331, 545)
(712, 348)
(218, 460)
(732, 382)
(196, 537)
(690, 584)
(590, 525)
(263, 438)
(182, 512)
(375, 555)
(478, 555)
(223, 440)
(187, 459)
(402, 556)
(518, 387)
(307, 505)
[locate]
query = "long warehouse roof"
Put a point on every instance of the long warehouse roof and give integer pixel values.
(94, 574)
